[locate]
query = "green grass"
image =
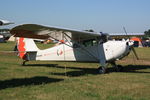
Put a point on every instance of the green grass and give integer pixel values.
(45, 80)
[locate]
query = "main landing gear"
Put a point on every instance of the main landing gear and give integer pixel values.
(103, 69)
(118, 68)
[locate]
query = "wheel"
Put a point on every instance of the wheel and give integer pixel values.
(24, 63)
(101, 70)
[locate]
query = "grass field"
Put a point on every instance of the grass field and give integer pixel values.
(44, 80)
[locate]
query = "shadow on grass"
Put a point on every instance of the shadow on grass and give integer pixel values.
(26, 82)
(40, 65)
(86, 71)
(77, 70)
(136, 68)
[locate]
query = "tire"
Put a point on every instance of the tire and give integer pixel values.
(101, 70)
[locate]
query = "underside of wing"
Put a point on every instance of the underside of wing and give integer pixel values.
(45, 32)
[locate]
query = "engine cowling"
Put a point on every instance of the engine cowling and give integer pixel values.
(115, 50)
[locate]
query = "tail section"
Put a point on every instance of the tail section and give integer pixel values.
(27, 48)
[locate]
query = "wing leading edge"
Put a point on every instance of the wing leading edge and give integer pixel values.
(46, 32)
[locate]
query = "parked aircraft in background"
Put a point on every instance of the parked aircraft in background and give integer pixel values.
(5, 22)
(4, 33)
(73, 45)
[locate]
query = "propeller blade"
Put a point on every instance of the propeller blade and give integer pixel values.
(135, 53)
(131, 44)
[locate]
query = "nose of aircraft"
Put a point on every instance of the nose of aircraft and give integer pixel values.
(131, 47)
(130, 43)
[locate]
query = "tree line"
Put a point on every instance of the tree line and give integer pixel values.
(147, 33)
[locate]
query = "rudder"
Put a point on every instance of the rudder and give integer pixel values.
(26, 48)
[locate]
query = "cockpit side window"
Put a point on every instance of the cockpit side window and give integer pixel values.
(91, 42)
(85, 43)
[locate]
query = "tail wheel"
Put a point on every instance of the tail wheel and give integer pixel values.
(24, 62)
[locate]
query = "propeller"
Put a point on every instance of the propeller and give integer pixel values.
(132, 48)
(131, 45)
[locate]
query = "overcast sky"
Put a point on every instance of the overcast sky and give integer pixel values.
(101, 15)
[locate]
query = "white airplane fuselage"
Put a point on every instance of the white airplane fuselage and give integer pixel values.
(105, 52)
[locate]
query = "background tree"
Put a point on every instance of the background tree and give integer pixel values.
(147, 33)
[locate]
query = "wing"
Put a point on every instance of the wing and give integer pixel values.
(46, 32)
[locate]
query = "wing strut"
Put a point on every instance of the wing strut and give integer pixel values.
(63, 37)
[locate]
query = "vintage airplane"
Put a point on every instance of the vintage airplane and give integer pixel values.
(5, 22)
(73, 45)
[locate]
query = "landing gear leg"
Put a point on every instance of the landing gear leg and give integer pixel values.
(103, 66)
(24, 62)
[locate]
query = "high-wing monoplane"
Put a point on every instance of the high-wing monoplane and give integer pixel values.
(73, 45)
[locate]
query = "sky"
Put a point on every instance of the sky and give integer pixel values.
(108, 16)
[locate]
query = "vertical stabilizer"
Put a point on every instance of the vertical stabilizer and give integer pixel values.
(24, 46)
